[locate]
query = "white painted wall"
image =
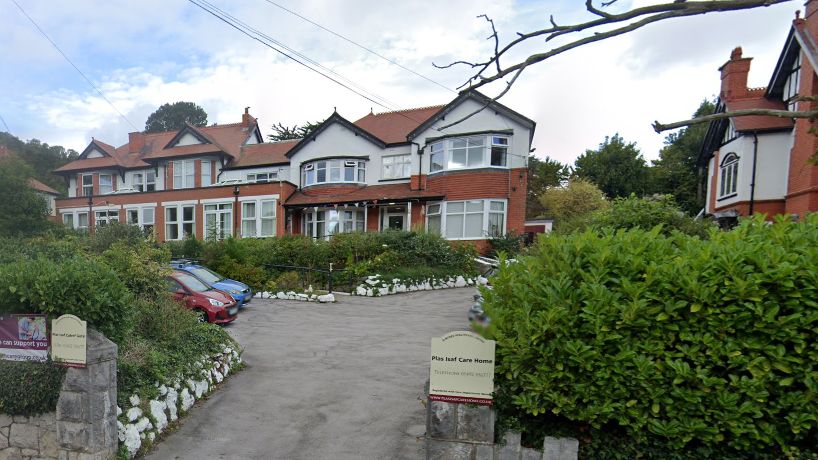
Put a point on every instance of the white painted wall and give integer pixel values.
(241, 174)
(188, 139)
(94, 153)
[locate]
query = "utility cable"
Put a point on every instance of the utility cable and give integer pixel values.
(42, 32)
(349, 40)
(4, 124)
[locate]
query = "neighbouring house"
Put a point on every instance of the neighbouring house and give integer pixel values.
(396, 170)
(46, 193)
(536, 226)
(760, 164)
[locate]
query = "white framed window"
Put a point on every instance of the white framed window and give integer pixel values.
(144, 218)
(325, 222)
(183, 174)
(258, 218)
(483, 151)
(218, 221)
(396, 167)
(467, 219)
(180, 222)
(82, 221)
(731, 132)
(106, 184)
(728, 175)
(207, 173)
(333, 171)
(68, 220)
(103, 218)
(87, 184)
(144, 181)
(262, 177)
(792, 84)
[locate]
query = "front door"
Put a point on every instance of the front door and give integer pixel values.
(394, 218)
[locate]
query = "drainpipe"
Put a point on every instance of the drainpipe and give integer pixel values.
(236, 191)
(420, 165)
(753, 180)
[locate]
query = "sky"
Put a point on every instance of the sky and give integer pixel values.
(146, 53)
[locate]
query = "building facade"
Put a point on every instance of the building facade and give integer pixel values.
(761, 164)
(395, 170)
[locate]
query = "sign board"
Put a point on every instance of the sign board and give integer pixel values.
(23, 337)
(462, 368)
(68, 337)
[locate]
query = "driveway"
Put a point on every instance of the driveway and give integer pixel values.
(324, 381)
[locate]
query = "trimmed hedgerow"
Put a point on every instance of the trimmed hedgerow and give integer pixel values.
(667, 338)
(29, 388)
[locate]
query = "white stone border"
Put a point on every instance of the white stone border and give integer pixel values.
(375, 286)
(142, 422)
(292, 295)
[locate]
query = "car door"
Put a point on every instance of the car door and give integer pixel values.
(179, 293)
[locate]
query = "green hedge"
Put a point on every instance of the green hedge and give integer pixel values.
(28, 388)
(671, 338)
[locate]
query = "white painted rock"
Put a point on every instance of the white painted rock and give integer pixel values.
(383, 291)
(326, 298)
(134, 400)
(151, 436)
(217, 376)
(281, 296)
(158, 413)
(187, 400)
(171, 400)
(132, 441)
(482, 281)
(118, 411)
(133, 414)
(163, 390)
(460, 282)
(201, 388)
(142, 424)
(120, 431)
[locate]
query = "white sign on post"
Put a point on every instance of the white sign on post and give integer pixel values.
(68, 341)
(462, 369)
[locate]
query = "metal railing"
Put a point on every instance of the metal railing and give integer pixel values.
(310, 276)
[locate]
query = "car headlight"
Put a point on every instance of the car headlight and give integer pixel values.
(216, 303)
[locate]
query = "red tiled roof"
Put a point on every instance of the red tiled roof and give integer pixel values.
(264, 154)
(368, 193)
(89, 163)
(758, 123)
(41, 187)
(393, 127)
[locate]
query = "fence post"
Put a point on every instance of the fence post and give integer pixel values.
(330, 277)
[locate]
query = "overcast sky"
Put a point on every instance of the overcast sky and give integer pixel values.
(141, 54)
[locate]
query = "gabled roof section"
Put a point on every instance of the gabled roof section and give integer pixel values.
(109, 160)
(188, 129)
(480, 98)
(41, 187)
(273, 153)
(394, 127)
(799, 39)
(335, 118)
(106, 149)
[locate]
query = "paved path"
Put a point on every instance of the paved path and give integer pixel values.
(324, 381)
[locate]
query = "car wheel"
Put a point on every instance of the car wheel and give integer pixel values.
(201, 315)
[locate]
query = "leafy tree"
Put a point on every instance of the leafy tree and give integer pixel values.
(41, 157)
(573, 203)
(675, 172)
(541, 175)
(172, 117)
(22, 210)
(617, 168)
(648, 212)
(283, 133)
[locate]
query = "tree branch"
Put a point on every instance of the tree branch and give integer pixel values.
(811, 114)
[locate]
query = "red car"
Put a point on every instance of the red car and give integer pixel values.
(210, 305)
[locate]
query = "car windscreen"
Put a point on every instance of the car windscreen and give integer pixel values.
(206, 275)
(192, 283)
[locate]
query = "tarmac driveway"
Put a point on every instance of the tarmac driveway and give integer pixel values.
(324, 381)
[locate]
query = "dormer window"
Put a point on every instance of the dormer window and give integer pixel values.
(485, 151)
(728, 174)
(731, 133)
(333, 171)
(792, 84)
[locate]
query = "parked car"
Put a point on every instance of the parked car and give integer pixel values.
(238, 290)
(210, 305)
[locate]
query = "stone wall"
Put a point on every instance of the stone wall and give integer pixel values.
(457, 431)
(26, 438)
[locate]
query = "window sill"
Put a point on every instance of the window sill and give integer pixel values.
(727, 197)
(394, 180)
(476, 168)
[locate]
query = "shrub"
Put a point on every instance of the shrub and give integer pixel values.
(79, 286)
(666, 337)
(648, 212)
(142, 269)
(288, 281)
(511, 244)
(106, 236)
(29, 388)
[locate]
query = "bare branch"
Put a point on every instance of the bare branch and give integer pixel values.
(589, 5)
(495, 37)
(811, 114)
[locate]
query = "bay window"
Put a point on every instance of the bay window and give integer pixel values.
(258, 218)
(218, 221)
(180, 222)
(484, 151)
(467, 220)
(323, 223)
(397, 167)
(333, 171)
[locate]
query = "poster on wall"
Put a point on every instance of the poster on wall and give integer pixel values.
(23, 337)
(69, 341)
(462, 369)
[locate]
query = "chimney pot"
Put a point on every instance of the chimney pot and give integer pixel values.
(736, 54)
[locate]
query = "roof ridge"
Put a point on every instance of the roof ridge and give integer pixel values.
(437, 106)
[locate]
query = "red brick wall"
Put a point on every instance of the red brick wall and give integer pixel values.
(802, 184)
(714, 181)
(769, 207)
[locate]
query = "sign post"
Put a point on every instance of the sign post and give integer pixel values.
(68, 341)
(23, 337)
(462, 369)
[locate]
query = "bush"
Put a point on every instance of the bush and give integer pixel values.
(29, 388)
(689, 341)
(106, 236)
(79, 286)
(142, 268)
(510, 244)
(646, 213)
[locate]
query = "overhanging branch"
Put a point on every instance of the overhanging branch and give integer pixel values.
(811, 114)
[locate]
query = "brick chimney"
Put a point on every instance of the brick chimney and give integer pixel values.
(246, 118)
(734, 76)
(136, 142)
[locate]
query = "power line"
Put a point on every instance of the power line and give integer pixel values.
(349, 40)
(4, 124)
(42, 32)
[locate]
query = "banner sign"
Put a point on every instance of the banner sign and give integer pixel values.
(68, 341)
(462, 369)
(23, 337)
